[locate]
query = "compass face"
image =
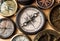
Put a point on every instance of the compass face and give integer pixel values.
(55, 17)
(31, 19)
(20, 38)
(8, 8)
(6, 28)
(47, 35)
(45, 4)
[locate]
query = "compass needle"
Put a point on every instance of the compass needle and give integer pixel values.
(33, 25)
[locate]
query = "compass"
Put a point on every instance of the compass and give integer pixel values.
(45, 4)
(19, 37)
(54, 17)
(26, 2)
(6, 28)
(30, 20)
(47, 35)
(8, 8)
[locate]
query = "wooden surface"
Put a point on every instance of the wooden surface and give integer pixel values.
(47, 26)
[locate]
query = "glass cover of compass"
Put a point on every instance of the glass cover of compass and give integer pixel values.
(6, 28)
(45, 4)
(20, 38)
(30, 20)
(8, 7)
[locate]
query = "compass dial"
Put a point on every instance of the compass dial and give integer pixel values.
(45, 4)
(54, 17)
(6, 28)
(20, 38)
(31, 19)
(8, 8)
(47, 35)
